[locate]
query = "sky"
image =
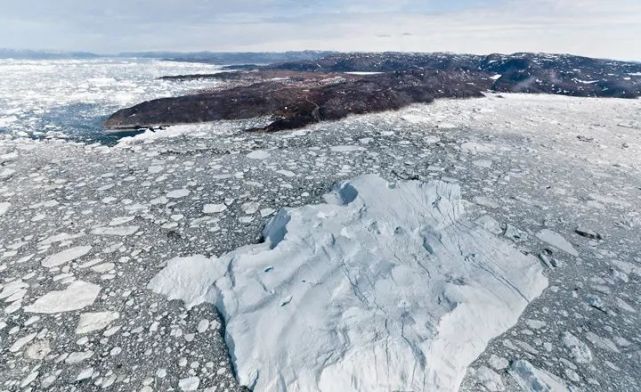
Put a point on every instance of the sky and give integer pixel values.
(597, 28)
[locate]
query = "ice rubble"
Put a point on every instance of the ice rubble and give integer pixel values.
(384, 287)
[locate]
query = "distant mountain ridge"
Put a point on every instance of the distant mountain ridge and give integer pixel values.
(223, 58)
(226, 58)
(519, 72)
(25, 54)
(303, 60)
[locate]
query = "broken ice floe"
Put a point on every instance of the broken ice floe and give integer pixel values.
(259, 155)
(115, 231)
(65, 256)
(579, 351)
(384, 287)
(532, 379)
(77, 295)
(95, 321)
(190, 279)
(557, 241)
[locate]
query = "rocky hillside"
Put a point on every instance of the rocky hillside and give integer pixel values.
(304, 98)
(520, 72)
(295, 94)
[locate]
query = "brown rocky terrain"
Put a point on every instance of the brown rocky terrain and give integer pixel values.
(298, 93)
(295, 99)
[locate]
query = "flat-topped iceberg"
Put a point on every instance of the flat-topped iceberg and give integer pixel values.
(383, 287)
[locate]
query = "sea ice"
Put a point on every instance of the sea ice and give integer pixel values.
(6, 174)
(61, 237)
(286, 173)
(78, 356)
(557, 241)
(189, 279)
(250, 207)
(477, 148)
(12, 288)
(65, 256)
(384, 287)
(490, 379)
(21, 342)
(76, 296)
(579, 351)
(532, 379)
(213, 208)
(121, 220)
(189, 384)
(178, 193)
(346, 148)
(4, 207)
(95, 321)
(258, 154)
(84, 374)
(38, 350)
(115, 230)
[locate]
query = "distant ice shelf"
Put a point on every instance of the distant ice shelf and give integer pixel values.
(386, 286)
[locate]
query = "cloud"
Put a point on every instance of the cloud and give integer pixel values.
(590, 27)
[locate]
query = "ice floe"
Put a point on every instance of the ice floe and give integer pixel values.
(12, 289)
(178, 193)
(384, 287)
(115, 230)
(213, 208)
(532, 379)
(77, 295)
(259, 154)
(65, 256)
(579, 351)
(557, 241)
(189, 279)
(94, 321)
(346, 148)
(4, 207)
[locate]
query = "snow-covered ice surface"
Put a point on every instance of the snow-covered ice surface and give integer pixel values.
(557, 164)
(386, 287)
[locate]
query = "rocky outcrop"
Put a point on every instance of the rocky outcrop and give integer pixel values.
(520, 72)
(295, 94)
(305, 98)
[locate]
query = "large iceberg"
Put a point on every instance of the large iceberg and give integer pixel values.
(383, 287)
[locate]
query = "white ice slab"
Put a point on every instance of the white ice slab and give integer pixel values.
(259, 154)
(77, 295)
(557, 241)
(382, 288)
(190, 279)
(95, 321)
(65, 256)
(531, 379)
(115, 230)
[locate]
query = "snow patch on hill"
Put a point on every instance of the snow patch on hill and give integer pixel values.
(384, 287)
